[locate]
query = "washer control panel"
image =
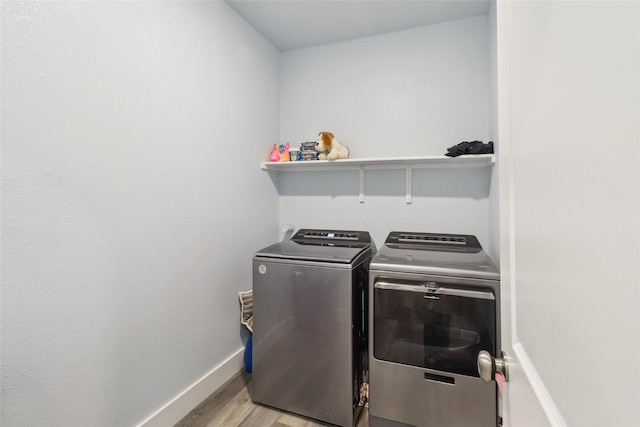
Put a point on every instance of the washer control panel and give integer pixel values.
(332, 238)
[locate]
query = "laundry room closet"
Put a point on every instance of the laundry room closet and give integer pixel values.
(405, 94)
(136, 189)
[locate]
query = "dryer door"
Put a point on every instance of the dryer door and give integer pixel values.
(432, 325)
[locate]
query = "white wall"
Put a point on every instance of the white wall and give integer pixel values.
(574, 104)
(408, 93)
(132, 201)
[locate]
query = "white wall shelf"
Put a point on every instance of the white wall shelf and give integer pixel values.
(467, 161)
(407, 163)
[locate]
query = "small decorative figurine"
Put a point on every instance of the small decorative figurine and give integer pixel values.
(275, 154)
(329, 148)
(284, 152)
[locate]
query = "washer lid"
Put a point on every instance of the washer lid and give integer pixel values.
(337, 246)
(431, 253)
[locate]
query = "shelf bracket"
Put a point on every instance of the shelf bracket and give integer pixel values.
(361, 184)
(408, 178)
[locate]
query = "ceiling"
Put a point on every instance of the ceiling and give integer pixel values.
(296, 24)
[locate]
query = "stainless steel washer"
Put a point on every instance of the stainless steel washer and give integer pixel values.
(310, 335)
(434, 306)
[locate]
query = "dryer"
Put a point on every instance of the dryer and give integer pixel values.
(434, 307)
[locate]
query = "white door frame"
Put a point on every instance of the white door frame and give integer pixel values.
(518, 405)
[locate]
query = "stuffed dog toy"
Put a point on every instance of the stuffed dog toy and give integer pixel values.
(329, 148)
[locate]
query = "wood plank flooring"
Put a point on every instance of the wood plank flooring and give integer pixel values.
(231, 406)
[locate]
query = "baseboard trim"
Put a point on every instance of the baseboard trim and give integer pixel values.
(546, 402)
(183, 403)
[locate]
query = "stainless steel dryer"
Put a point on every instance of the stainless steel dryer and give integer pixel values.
(310, 335)
(434, 306)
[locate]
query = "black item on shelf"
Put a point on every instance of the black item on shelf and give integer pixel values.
(470, 147)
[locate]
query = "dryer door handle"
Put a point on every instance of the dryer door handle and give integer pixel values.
(418, 287)
(432, 288)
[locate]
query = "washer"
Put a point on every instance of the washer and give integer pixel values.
(310, 321)
(434, 306)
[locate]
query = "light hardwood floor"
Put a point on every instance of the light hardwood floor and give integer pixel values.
(231, 406)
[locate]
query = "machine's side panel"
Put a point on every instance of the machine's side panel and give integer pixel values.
(360, 337)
